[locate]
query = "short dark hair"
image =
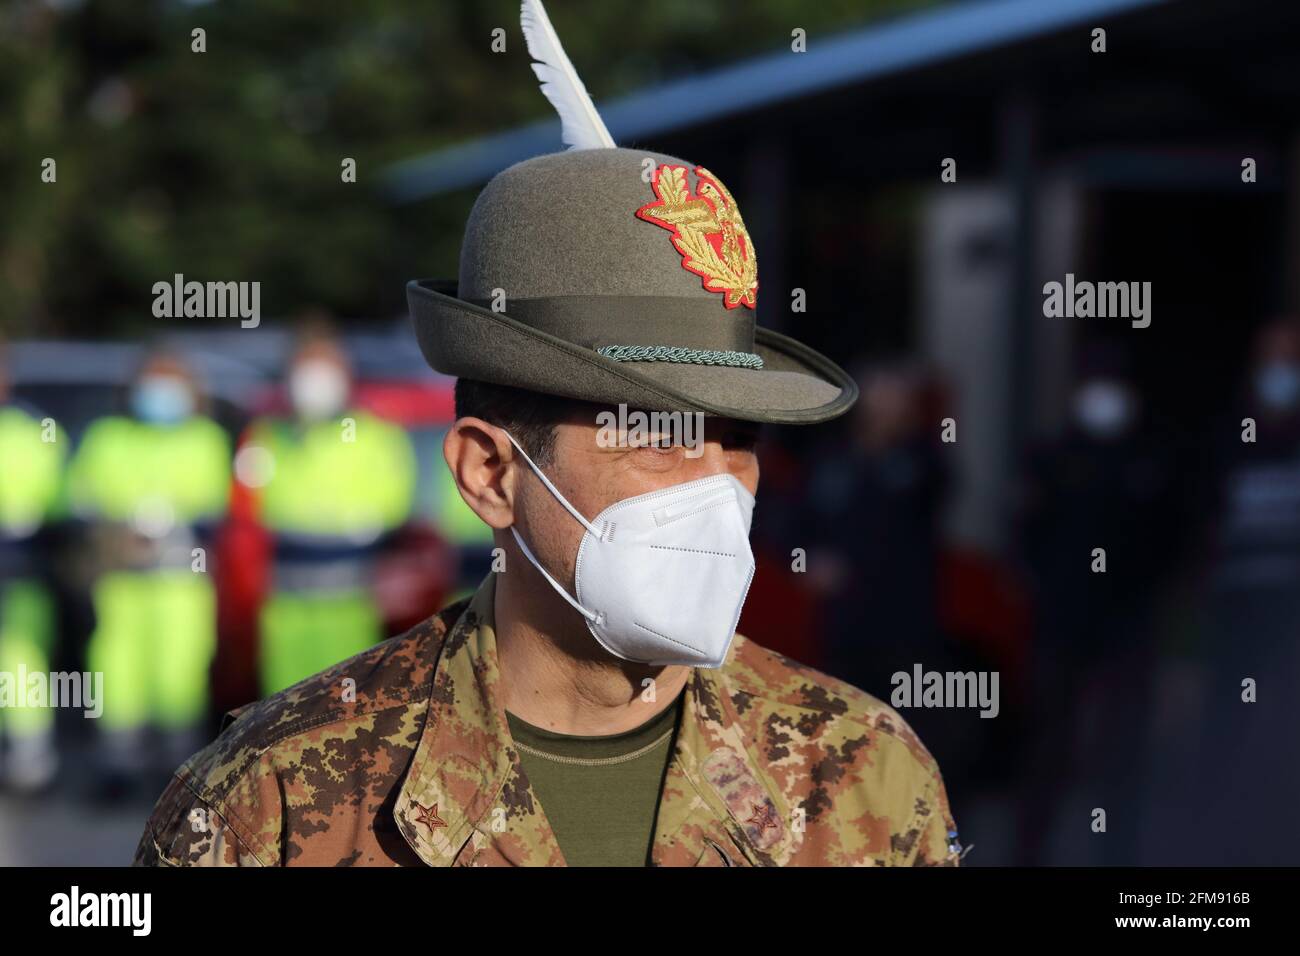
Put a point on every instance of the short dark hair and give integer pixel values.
(530, 417)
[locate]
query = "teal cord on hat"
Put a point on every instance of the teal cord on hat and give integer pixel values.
(673, 353)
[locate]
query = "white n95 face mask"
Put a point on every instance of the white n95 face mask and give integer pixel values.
(661, 577)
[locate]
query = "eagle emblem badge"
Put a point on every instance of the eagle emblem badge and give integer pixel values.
(707, 231)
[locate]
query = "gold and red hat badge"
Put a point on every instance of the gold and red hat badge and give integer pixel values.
(707, 231)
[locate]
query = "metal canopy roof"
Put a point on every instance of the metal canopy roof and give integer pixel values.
(861, 55)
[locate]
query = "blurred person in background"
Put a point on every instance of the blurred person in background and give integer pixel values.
(876, 512)
(330, 484)
(1104, 483)
(1254, 617)
(783, 612)
(1258, 544)
(152, 484)
(32, 453)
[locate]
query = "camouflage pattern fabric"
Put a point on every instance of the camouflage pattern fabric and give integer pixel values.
(402, 756)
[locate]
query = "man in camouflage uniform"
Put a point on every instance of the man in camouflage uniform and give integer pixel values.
(619, 288)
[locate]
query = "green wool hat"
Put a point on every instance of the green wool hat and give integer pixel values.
(619, 276)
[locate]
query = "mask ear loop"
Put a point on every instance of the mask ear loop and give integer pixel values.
(553, 490)
(594, 618)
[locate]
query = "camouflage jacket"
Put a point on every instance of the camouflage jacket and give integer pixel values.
(402, 755)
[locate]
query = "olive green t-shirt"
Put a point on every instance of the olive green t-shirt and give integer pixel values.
(600, 794)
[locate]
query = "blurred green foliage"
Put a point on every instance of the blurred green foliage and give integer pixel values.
(226, 164)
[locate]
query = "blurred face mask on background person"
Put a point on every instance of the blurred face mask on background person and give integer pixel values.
(162, 399)
(318, 389)
(1277, 385)
(1103, 408)
(661, 577)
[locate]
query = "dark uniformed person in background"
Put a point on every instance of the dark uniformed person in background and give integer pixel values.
(1253, 603)
(1105, 483)
(877, 504)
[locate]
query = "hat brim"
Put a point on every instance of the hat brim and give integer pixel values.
(796, 385)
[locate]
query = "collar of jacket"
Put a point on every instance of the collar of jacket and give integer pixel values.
(466, 800)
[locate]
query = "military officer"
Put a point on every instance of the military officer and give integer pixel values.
(591, 703)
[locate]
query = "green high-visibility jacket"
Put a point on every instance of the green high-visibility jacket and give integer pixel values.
(31, 456)
(124, 465)
(352, 477)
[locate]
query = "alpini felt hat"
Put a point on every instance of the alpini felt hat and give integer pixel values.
(616, 276)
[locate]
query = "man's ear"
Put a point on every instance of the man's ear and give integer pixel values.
(478, 455)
